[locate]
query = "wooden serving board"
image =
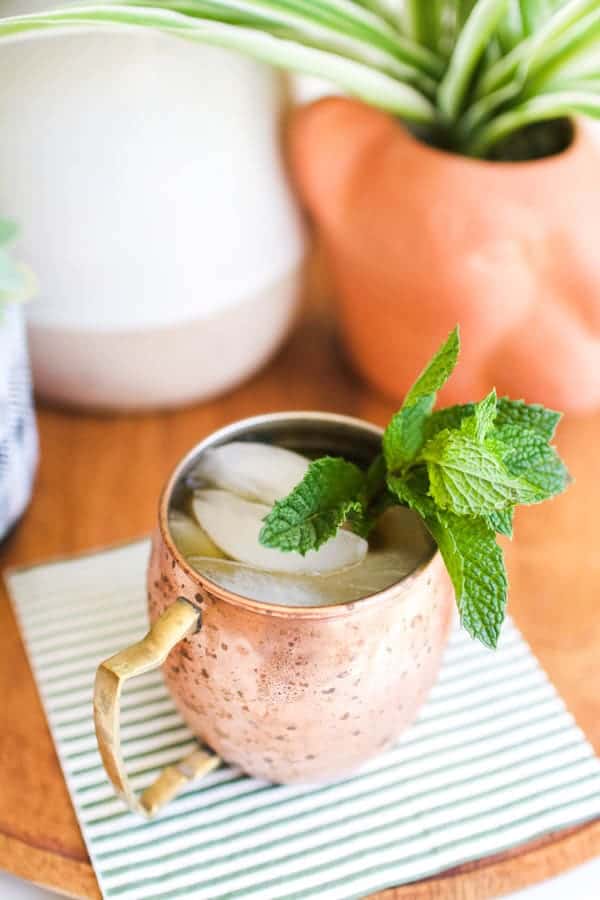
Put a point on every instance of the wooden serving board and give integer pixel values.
(98, 483)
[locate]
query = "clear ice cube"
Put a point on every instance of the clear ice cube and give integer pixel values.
(265, 587)
(251, 470)
(190, 538)
(400, 544)
(234, 525)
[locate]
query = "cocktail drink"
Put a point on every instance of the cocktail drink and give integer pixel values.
(304, 665)
(228, 495)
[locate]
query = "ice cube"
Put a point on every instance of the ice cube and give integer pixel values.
(400, 544)
(251, 470)
(265, 587)
(189, 537)
(234, 525)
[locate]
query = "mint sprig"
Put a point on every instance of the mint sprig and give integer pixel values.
(330, 491)
(463, 469)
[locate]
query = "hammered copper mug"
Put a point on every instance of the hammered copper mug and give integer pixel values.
(285, 693)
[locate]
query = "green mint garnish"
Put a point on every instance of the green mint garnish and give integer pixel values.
(463, 469)
(329, 492)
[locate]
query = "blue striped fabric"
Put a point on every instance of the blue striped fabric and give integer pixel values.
(18, 435)
(493, 760)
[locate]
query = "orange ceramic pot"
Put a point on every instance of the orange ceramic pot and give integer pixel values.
(419, 239)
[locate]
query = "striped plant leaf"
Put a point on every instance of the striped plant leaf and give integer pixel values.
(539, 109)
(510, 27)
(466, 70)
(423, 21)
(576, 42)
(482, 110)
(362, 81)
(276, 19)
(469, 48)
(565, 17)
(501, 72)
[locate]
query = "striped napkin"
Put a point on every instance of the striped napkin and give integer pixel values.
(493, 760)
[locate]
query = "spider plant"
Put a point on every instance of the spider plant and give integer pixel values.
(467, 75)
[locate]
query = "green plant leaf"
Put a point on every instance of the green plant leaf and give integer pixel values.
(470, 553)
(449, 417)
(529, 53)
(370, 85)
(308, 517)
(501, 521)
(403, 437)
(476, 567)
(581, 38)
(532, 416)
(479, 424)
(374, 499)
(336, 26)
(510, 27)
(423, 21)
(565, 16)
(472, 41)
(412, 489)
(533, 459)
(8, 231)
(438, 370)
(541, 109)
(468, 477)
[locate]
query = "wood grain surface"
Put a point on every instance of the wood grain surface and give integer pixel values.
(98, 483)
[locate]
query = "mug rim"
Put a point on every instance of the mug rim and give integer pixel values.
(331, 611)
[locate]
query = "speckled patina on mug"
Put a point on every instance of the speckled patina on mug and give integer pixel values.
(300, 693)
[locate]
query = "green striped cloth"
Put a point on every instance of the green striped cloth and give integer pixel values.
(493, 760)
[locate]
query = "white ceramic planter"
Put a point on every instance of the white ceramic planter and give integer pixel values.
(146, 174)
(18, 437)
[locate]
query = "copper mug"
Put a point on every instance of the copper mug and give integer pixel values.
(286, 693)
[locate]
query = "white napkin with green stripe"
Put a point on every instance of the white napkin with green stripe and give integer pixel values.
(493, 760)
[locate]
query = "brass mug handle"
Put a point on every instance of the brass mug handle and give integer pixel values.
(176, 622)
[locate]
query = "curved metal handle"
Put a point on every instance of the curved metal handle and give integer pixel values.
(177, 622)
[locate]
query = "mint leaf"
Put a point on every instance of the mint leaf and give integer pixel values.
(312, 513)
(413, 490)
(501, 521)
(462, 469)
(469, 478)
(405, 434)
(437, 371)
(363, 519)
(403, 438)
(532, 416)
(376, 478)
(476, 568)
(374, 500)
(508, 412)
(480, 422)
(470, 553)
(533, 459)
(450, 417)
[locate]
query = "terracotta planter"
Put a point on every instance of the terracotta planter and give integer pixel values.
(419, 240)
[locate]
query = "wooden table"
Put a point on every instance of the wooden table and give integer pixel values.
(98, 483)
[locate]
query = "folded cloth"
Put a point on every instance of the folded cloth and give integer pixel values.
(494, 760)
